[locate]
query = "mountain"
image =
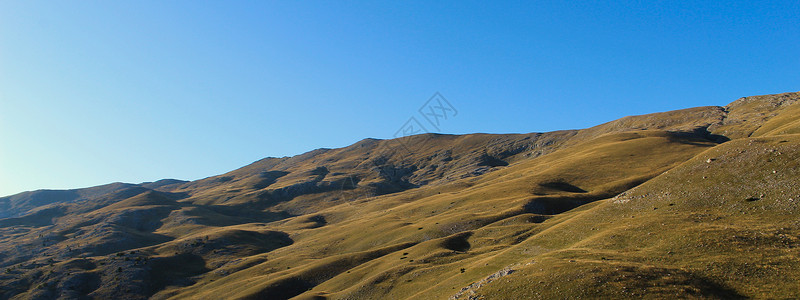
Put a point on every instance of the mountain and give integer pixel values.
(693, 203)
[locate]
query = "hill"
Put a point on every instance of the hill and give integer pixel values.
(693, 203)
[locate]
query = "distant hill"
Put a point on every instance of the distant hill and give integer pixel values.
(694, 203)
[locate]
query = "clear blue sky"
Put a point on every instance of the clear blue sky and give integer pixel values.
(93, 92)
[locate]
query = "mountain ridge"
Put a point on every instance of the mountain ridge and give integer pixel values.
(453, 209)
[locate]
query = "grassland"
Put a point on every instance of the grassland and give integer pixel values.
(695, 203)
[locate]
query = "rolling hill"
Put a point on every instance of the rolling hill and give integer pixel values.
(694, 203)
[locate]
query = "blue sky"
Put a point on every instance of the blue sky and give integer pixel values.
(93, 92)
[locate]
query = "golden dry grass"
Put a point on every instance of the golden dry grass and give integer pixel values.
(648, 206)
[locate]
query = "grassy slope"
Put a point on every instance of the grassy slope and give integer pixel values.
(440, 229)
(643, 206)
(705, 228)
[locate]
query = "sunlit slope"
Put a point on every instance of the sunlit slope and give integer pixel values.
(367, 168)
(722, 225)
(747, 115)
(690, 203)
(786, 121)
(691, 121)
(433, 232)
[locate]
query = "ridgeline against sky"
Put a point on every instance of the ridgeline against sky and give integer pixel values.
(97, 92)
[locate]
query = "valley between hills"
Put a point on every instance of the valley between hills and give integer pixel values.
(695, 203)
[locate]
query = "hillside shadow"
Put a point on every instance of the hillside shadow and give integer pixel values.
(316, 221)
(691, 284)
(458, 242)
(557, 205)
(175, 271)
(562, 186)
(491, 161)
(249, 212)
(40, 218)
(701, 133)
(267, 178)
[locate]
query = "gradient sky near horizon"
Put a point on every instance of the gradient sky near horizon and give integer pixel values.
(93, 92)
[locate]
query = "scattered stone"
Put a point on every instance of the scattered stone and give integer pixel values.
(468, 292)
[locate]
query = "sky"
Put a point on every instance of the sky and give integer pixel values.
(94, 92)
